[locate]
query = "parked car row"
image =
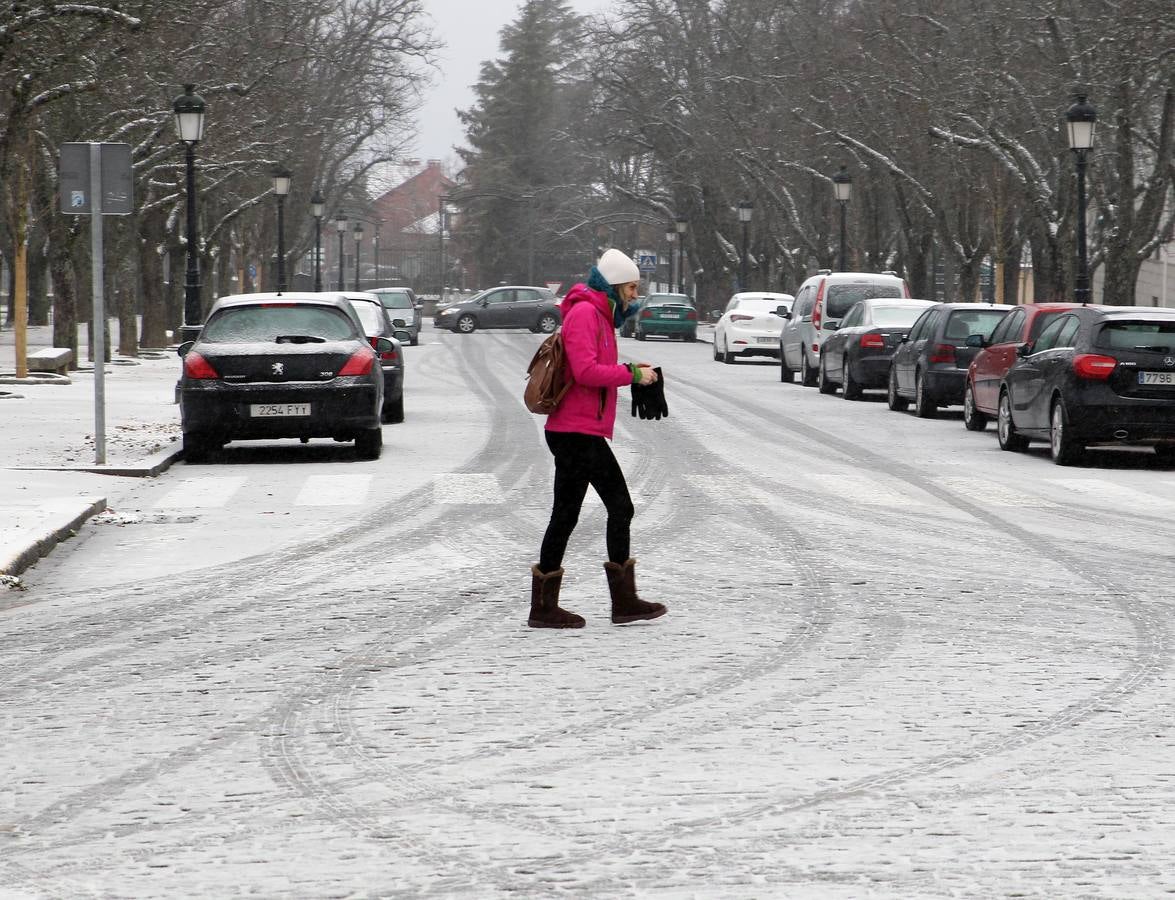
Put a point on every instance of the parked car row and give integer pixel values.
(293, 365)
(1070, 374)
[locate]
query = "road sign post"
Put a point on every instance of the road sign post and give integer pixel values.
(96, 181)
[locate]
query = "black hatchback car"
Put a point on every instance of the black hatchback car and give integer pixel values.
(1096, 375)
(930, 364)
(281, 366)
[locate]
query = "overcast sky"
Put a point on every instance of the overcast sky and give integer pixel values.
(469, 29)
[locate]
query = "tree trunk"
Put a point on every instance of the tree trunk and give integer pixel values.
(150, 280)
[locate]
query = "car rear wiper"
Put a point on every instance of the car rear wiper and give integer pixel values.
(299, 339)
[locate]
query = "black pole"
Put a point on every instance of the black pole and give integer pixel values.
(1081, 291)
(358, 247)
(342, 286)
(318, 253)
(742, 286)
(192, 316)
(281, 244)
(843, 262)
(680, 264)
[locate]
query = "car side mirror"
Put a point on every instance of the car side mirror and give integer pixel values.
(1024, 349)
(780, 311)
(976, 340)
(403, 335)
(418, 305)
(398, 323)
(905, 339)
(383, 345)
(832, 326)
(182, 350)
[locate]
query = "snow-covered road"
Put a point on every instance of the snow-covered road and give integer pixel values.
(898, 663)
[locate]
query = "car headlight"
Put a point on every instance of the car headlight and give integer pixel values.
(447, 311)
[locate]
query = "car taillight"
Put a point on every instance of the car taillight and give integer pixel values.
(360, 363)
(739, 317)
(196, 366)
(646, 314)
(818, 310)
(390, 356)
(942, 353)
(872, 341)
(691, 314)
(1094, 366)
(905, 289)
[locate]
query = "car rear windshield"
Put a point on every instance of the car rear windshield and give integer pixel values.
(897, 316)
(762, 304)
(841, 297)
(369, 315)
(397, 300)
(667, 300)
(965, 322)
(1146, 335)
(247, 324)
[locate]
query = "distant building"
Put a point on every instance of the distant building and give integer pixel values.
(409, 248)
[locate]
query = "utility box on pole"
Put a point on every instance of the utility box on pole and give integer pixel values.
(96, 181)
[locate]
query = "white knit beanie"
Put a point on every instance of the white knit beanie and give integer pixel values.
(618, 268)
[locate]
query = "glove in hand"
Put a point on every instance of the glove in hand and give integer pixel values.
(648, 400)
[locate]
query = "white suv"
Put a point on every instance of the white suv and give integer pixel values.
(821, 302)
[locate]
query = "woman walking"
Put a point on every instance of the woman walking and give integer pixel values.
(577, 434)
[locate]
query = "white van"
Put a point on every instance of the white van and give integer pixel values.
(821, 302)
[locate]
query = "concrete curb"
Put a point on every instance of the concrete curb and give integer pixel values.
(153, 465)
(17, 561)
(64, 523)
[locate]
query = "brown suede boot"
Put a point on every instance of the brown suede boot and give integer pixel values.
(544, 602)
(626, 605)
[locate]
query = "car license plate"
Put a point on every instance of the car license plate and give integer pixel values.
(670, 315)
(1167, 379)
(268, 410)
(766, 340)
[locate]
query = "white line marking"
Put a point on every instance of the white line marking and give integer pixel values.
(201, 493)
(476, 487)
(334, 490)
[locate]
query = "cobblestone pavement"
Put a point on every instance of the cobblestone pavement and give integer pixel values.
(898, 663)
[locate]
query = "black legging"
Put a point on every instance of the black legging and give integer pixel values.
(580, 460)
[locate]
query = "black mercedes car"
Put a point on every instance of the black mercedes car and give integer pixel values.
(284, 365)
(1096, 375)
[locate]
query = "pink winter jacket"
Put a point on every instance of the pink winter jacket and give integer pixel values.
(589, 339)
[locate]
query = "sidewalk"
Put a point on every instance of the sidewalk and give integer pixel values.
(49, 483)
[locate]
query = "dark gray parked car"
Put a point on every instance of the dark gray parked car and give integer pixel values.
(506, 306)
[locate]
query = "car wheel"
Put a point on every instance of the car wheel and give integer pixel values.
(639, 335)
(924, 407)
(823, 385)
(807, 373)
(786, 375)
(547, 323)
(727, 356)
(1064, 450)
(414, 340)
(368, 444)
(1005, 430)
(717, 355)
(973, 419)
(691, 338)
(850, 388)
(1165, 453)
(466, 324)
(893, 399)
(393, 412)
(197, 446)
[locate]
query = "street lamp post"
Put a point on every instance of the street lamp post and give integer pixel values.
(317, 206)
(189, 124)
(681, 225)
(375, 252)
(1082, 118)
(670, 237)
(281, 187)
(745, 209)
(842, 184)
(341, 226)
(358, 233)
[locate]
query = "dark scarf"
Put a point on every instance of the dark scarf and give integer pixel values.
(598, 282)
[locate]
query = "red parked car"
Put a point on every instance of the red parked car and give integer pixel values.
(981, 393)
